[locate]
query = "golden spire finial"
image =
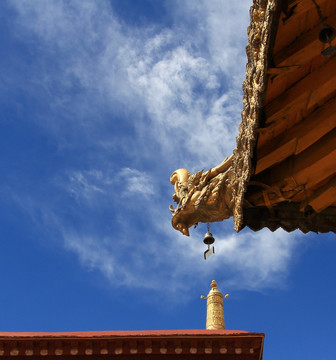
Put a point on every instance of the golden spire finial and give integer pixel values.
(215, 313)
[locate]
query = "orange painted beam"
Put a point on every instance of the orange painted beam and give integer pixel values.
(305, 94)
(296, 139)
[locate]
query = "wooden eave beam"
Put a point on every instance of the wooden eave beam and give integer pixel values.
(305, 169)
(303, 49)
(323, 198)
(305, 94)
(298, 138)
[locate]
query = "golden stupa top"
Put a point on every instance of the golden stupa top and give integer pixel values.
(214, 291)
(215, 313)
(214, 288)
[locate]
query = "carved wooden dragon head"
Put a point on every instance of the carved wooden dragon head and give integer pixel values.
(201, 197)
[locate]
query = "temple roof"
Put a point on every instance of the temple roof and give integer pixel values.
(189, 344)
(284, 163)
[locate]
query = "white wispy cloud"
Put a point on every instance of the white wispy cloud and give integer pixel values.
(181, 93)
(258, 260)
(136, 182)
(92, 254)
(173, 75)
(90, 185)
(85, 185)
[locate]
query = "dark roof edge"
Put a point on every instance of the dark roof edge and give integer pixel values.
(288, 216)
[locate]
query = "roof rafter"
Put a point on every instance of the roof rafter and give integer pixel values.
(299, 138)
(308, 168)
(311, 90)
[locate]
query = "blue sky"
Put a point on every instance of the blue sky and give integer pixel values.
(100, 102)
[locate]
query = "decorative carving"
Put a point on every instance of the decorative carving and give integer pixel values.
(259, 39)
(202, 197)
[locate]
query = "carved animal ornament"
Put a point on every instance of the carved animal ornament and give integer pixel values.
(202, 197)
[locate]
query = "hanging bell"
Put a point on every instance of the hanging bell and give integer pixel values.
(327, 34)
(208, 238)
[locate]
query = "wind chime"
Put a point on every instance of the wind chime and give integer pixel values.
(326, 34)
(208, 240)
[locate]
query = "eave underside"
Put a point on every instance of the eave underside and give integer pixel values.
(289, 217)
(292, 181)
